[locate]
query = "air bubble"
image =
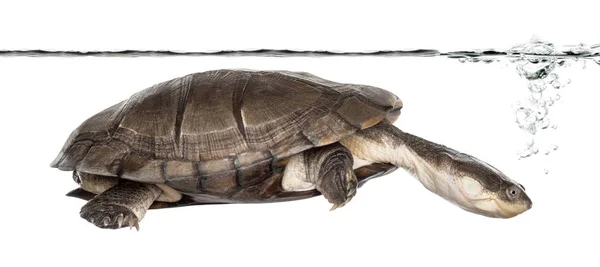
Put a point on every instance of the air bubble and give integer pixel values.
(547, 152)
(530, 143)
(537, 86)
(526, 119)
(535, 71)
(564, 63)
(546, 171)
(541, 102)
(462, 60)
(541, 112)
(535, 96)
(543, 124)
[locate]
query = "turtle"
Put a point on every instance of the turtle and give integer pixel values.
(229, 136)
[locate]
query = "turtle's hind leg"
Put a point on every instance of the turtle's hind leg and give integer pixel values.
(124, 204)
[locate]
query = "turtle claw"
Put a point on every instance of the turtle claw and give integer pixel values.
(119, 220)
(339, 205)
(335, 206)
(133, 223)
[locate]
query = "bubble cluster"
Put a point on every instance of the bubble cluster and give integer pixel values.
(542, 65)
(529, 151)
(532, 149)
(532, 116)
(537, 62)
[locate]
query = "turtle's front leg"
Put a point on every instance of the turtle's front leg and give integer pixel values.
(328, 169)
(124, 204)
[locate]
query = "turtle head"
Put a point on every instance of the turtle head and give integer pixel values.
(482, 189)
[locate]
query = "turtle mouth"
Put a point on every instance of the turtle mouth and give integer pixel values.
(510, 210)
(495, 208)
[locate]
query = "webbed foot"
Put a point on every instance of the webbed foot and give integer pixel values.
(109, 216)
(124, 204)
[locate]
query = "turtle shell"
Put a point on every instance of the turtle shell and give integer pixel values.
(217, 132)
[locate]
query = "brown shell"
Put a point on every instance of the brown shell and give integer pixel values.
(219, 131)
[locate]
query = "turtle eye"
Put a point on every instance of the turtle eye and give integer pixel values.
(513, 192)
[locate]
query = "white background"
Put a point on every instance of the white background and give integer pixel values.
(392, 221)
